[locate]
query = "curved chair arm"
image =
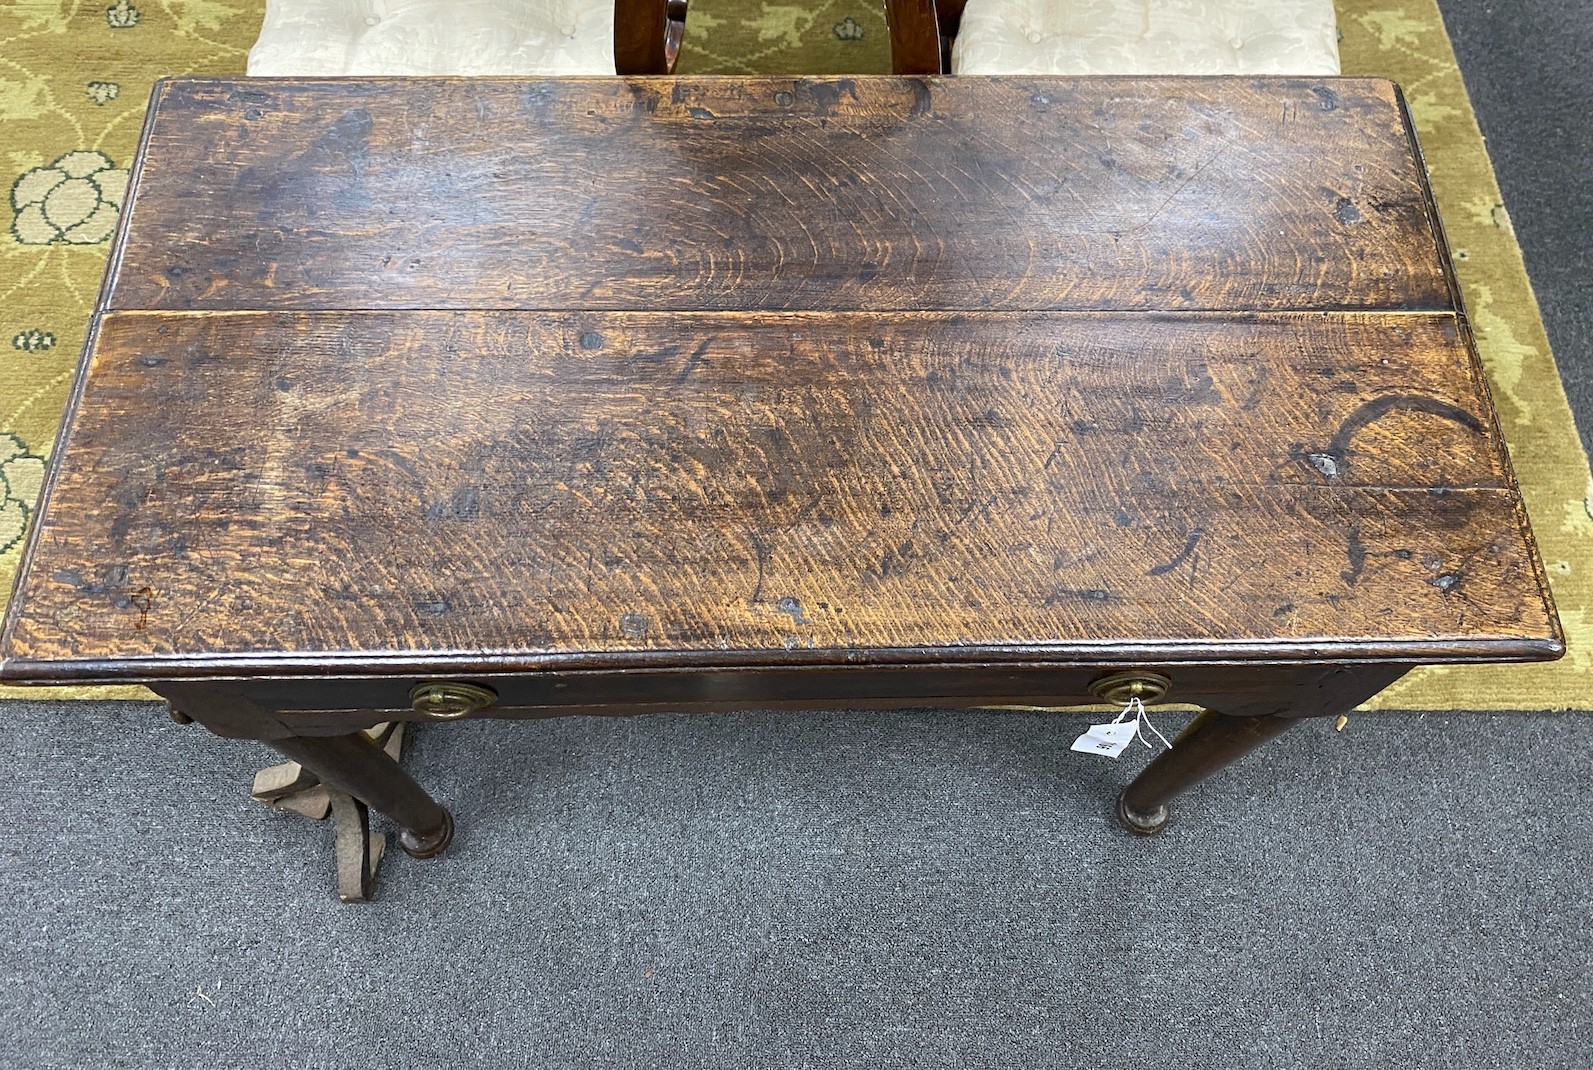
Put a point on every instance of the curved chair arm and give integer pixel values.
(647, 35)
(921, 34)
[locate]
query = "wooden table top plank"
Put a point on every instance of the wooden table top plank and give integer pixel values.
(780, 193)
(400, 488)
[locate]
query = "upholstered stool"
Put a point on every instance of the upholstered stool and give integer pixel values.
(1114, 37)
(467, 37)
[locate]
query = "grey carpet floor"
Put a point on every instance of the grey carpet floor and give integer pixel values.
(924, 889)
(1529, 67)
(781, 890)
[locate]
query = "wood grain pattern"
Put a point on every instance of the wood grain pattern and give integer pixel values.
(915, 37)
(748, 489)
(647, 35)
(702, 394)
(923, 34)
(774, 194)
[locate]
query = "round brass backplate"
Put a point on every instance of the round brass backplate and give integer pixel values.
(1120, 687)
(445, 700)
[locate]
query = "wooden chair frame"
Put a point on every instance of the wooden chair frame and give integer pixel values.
(647, 35)
(922, 32)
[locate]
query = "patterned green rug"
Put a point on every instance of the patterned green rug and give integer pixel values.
(74, 78)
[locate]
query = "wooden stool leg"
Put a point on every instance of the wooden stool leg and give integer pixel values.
(1211, 742)
(356, 765)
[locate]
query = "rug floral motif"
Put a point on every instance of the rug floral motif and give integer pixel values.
(75, 78)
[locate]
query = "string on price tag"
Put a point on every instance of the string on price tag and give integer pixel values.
(1110, 740)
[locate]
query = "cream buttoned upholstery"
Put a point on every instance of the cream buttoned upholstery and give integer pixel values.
(420, 37)
(1147, 37)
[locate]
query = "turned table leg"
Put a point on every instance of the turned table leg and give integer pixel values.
(1215, 740)
(1211, 742)
(356, 765)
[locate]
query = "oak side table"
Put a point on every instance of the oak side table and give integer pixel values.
(417, 399)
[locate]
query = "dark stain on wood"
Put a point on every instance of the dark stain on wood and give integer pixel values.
(889, 194)
(667, 479)
(1183, 555)
(420, 374)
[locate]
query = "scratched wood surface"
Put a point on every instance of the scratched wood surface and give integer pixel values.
(763, 487)
(768, 193)
(404, 376)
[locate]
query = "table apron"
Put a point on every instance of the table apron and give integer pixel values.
(268, 709)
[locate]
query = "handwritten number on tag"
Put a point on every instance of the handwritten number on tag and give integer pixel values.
(1110, 740)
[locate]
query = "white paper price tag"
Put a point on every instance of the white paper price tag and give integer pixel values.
(1107, 740)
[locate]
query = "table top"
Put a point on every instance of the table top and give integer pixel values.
(417, 376)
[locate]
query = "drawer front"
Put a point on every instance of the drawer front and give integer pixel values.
(315, 706)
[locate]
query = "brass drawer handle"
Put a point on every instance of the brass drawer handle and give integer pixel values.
(446, 700)
(1120, 687)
